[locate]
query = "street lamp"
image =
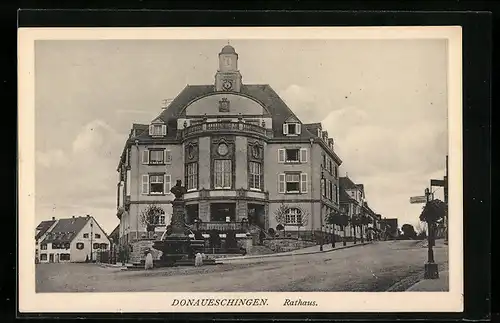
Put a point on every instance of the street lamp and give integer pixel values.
(321, 209)
(431, 268)
(91, 237)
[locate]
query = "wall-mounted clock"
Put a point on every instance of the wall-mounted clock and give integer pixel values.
(227, 61)
(227, 85)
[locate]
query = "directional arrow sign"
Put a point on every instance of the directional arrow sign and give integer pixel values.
(418, 199)
(437, 182)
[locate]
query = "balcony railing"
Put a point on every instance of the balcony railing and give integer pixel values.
(219, 226)
(224, 126)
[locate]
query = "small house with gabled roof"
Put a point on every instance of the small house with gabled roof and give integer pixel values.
(74, 239)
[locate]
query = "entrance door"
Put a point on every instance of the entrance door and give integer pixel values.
(51, 257)
(221, 212)
(257, 215)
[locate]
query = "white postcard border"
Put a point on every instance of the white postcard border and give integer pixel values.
(29, 301)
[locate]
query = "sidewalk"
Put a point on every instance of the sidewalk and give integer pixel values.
(432, 285)
(304, 251)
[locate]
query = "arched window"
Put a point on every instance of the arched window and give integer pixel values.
(293, 215)
(79, 245)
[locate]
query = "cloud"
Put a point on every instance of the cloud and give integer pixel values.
(307, 104)
(85, 175)
(50, 158)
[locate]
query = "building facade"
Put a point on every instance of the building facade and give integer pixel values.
(75, 239)
(241, 153)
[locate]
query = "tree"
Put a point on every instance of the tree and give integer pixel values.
(355, 222)
(408, 231)
(280, 216)
(339, 219)
(434, 211)
(364, 221)
(231, 242)
(150, 217)
(214, 239)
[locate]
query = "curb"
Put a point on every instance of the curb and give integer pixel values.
(295, 254)
(408, 282)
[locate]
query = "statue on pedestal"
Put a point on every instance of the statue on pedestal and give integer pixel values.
(178, 190)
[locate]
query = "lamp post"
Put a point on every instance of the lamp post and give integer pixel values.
(91, 237)
(321, 210)
(431, 268)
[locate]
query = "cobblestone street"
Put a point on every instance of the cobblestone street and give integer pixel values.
(374, 267)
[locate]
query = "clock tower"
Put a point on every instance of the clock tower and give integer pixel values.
(228, 77)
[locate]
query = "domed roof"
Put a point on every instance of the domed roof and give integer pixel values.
(228, 49)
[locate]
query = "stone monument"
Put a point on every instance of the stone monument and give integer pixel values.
(177, 247)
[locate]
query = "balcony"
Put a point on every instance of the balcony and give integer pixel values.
(220, 226)
(225, 126)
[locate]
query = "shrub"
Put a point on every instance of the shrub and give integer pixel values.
(231, 242)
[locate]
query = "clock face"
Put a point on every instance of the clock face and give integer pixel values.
(227, 61)
(227, 85)
(222, 149)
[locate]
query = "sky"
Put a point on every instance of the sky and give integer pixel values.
(384, 102)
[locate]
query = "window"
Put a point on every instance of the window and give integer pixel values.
(293, 216)
(85, 235)
(157, 130)
(255, 173)
(294, 155)
(156, 156)
(79, 245)
(96, 246)
(323, 187)
(97, 236)
(43, 257)
(104, 246)
(67, 245)
(156, 184)
(292, 183)
(64, 257)
(328, 189)
(192, 176)
(43, 246)
(323, 160)
(291, 129)
(161, 220)
(223, 173)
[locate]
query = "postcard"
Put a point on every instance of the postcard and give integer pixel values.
(255, 169)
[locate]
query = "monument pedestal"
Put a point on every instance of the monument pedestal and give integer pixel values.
(177, 248)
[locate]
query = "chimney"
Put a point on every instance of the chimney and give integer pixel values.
(53, 218)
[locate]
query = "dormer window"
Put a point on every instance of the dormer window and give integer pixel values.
(291, 129)
(157, 129)
(319, 132)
